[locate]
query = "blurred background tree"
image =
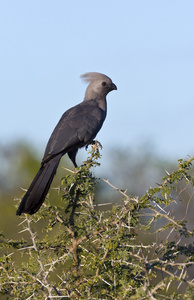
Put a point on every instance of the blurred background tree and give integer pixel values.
(19, 164)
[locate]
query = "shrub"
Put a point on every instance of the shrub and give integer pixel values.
(136, 250)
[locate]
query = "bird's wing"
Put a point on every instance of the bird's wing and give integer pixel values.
(77, 127)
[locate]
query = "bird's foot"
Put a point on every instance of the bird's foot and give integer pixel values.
(95, 144)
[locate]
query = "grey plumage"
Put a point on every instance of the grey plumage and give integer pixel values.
(77, 127)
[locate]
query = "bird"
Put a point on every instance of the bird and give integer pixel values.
(77, 128)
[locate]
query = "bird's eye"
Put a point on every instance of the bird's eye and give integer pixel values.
(103, 83)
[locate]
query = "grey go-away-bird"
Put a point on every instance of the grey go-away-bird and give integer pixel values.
(77, 127)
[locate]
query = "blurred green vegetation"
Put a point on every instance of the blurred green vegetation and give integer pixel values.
(19, 164)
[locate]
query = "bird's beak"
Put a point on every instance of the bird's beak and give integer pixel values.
(113, 86)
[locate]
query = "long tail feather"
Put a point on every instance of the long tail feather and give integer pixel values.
(39, 187)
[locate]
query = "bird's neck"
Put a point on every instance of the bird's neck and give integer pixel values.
(100, 102)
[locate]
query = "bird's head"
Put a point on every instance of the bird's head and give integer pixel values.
(99, 85)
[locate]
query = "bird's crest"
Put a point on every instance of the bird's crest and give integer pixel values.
(91, 76)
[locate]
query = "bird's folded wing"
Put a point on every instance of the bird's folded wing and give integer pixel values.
(77, 127)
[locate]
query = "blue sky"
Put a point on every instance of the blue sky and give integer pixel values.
(146, 47)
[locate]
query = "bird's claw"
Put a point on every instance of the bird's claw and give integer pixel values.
(94, 143)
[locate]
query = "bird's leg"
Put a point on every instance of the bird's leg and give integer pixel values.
(72, 155)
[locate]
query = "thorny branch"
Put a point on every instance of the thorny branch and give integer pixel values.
(109, 260)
